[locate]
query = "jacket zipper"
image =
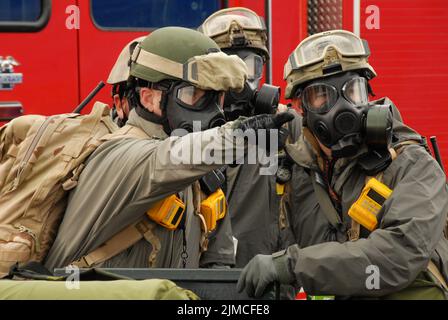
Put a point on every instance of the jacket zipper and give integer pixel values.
(30, 149)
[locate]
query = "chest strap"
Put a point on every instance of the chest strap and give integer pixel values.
(325, 203)
(355, 230)
(143, 229)
(122, 241)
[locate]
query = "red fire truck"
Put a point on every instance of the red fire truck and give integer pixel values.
(53, 53)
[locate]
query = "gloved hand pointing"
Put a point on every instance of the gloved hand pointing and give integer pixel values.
(264, 121)
(271, 122)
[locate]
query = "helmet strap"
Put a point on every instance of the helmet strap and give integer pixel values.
(148, 115)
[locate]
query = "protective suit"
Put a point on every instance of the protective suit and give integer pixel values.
(253, 202)
(220, 244)
(254, 206)
(346, 142)
(324, 262)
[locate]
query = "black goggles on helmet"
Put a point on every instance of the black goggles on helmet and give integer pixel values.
(321, 97)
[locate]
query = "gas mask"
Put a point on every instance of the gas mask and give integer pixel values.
(185, 105)
(251, 101)
(337, 112)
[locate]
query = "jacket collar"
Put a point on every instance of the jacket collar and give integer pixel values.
(152, 129)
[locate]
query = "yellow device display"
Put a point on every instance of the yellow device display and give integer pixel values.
(167, 212)
(366, 208)
(214, 208)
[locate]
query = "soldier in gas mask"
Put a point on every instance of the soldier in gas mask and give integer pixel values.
(367, 202)
(240, 31)
(258, 224)
(220, 252)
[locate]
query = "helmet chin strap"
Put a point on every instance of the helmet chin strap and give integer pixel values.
(148, 115)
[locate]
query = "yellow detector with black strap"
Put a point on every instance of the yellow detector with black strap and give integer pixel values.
(365, 210)
(167, 212)
(214, 208)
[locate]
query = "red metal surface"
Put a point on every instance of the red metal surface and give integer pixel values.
(48, 63)
(408, 53)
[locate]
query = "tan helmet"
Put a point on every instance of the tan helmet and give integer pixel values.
(325, 54)
(121, 69)
(237, 27)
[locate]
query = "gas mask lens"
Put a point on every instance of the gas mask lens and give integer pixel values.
(321, 97)
(190, 95)
(356, 91)
(254, 65)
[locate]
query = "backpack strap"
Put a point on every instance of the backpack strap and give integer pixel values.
(127, 131)
(198, 196)
(135, 232)
(122, 241)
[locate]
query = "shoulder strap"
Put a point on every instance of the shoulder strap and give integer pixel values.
(325, 203)
(355, 228)
(126, 131)
(120, 242)
(398, 148)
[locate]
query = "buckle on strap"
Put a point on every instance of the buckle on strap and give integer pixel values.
(142, 227)
(82, 262)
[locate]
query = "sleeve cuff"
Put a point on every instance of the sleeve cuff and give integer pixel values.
(280, 260)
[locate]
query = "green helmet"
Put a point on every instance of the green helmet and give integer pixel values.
(235, 28)
(324, 54)
(173, 43)
(183, 54)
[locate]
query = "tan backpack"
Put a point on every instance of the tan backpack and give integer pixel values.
(40, 160)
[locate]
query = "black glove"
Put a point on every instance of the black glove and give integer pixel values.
(263, 270)
(257, 275)
(269, 122)
(265, 121)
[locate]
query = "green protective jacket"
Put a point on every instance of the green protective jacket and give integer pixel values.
(122, 179)
(409, 232)
(254, 207)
